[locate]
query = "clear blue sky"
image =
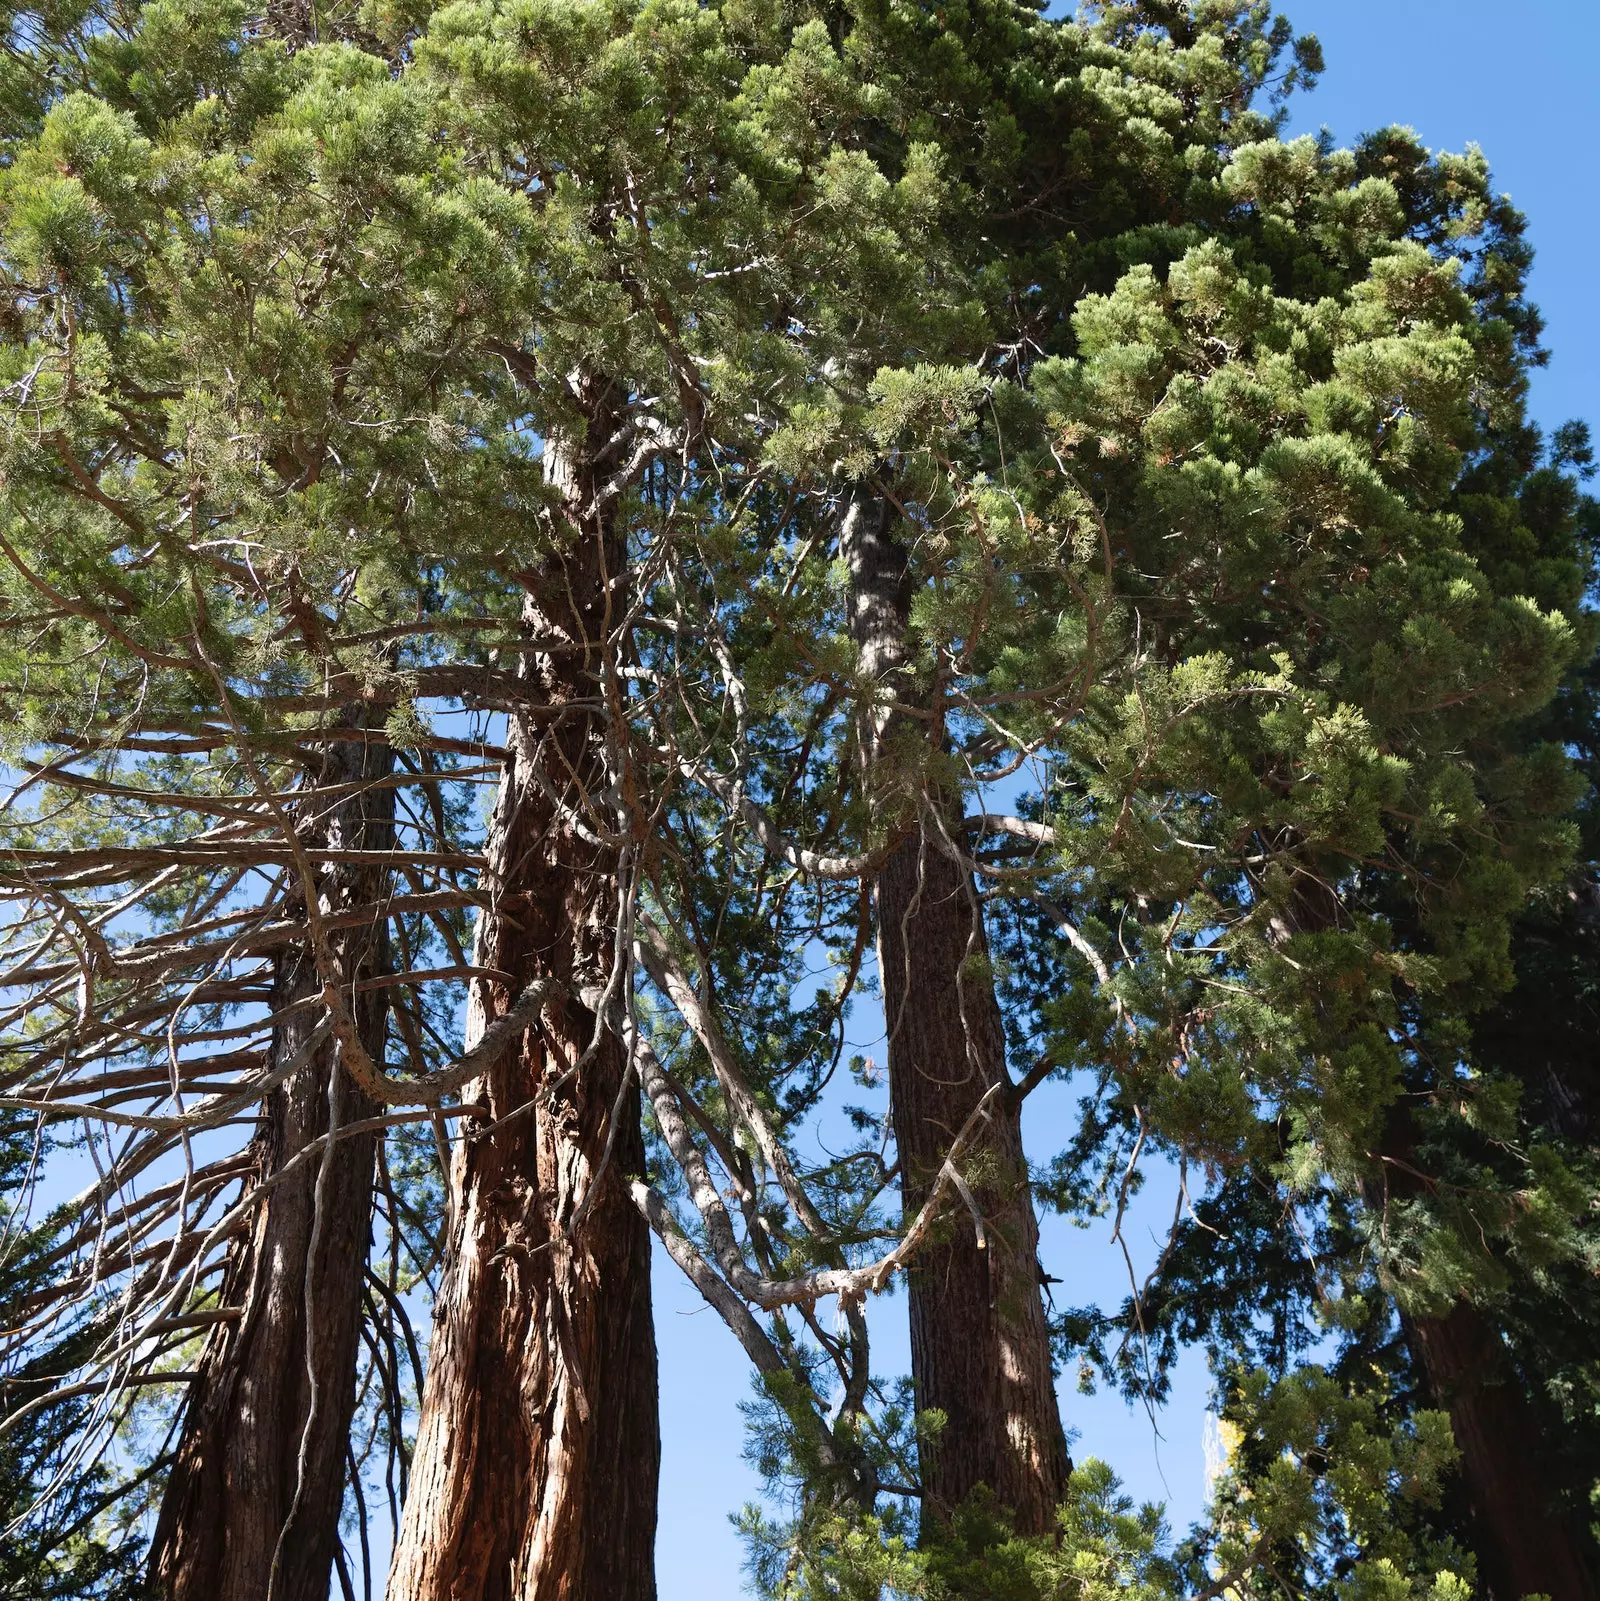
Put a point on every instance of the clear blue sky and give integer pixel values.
(1523, 81)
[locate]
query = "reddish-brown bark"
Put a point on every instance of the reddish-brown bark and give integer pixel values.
(980, 1346)
(1525, 1540)
(537, 1456)
(1527, 1543)
(253, 1499)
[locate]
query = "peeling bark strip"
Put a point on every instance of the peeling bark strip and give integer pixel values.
(231, 1504)
(538, 1451)
(980, 1347)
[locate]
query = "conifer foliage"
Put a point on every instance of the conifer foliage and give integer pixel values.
(528, 525)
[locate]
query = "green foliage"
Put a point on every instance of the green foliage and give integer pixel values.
(1322, 1494)
(1105, 1548)
(1210, 456)
(1319, 1496)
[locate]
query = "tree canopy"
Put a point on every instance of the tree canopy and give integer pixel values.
(530, 529)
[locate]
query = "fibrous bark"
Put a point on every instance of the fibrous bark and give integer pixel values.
(1526, 1540)
(980, 1347)
(537, 1456)
(252, 1505)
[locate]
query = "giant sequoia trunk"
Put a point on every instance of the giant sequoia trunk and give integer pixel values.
(980, 1347)
(1525, 1539)
(1530, 1540)
(252, 1504)
(537, 1455)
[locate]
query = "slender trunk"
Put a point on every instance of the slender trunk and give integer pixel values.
(980, 1346)
(252, 1504)
(537, 1457)
(1525, 1539)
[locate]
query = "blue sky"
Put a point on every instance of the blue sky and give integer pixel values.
(1523, 82)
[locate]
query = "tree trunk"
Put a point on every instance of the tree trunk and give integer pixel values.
(1544, 1031)
(252, 1505)
(538, 1451)
(1525, 1539)
(1514, 1451)
(1526, 1542)
(980, 1346)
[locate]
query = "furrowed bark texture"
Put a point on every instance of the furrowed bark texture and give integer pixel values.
(980, 1346)
(538, 1450)
(251, 1485)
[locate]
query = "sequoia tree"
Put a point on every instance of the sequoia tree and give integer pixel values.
(886, 478)
(209, 501)
(1277, 483)
(1519, 531)
(267, 1417)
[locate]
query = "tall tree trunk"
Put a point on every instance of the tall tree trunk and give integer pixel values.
(252, 1505)
(538, 1451)
(1524, 1537)
(980, 1346)
(1531, 1537)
